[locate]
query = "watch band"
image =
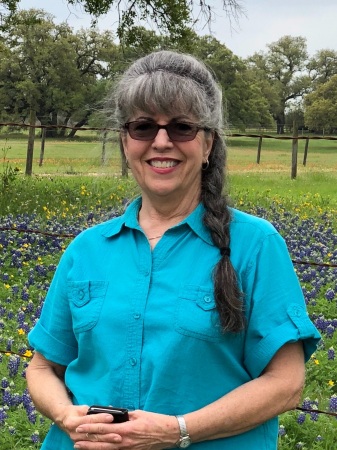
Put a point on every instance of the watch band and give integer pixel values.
(185, 440)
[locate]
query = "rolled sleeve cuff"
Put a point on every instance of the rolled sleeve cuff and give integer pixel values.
(50, 347)
(299, 327)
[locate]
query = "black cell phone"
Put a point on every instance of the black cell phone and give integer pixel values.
(119, 414)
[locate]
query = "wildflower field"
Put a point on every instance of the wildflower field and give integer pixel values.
(38, 217)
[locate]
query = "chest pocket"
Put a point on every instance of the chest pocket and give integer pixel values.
(86, 299)
(196, 314)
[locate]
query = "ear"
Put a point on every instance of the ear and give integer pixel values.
(209, 139)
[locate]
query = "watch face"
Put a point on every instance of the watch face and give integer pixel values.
(185, 442)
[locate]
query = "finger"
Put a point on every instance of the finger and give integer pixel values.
(98, 418)
(101, 433)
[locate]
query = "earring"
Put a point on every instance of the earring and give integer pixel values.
(205, 165)
(127, 164)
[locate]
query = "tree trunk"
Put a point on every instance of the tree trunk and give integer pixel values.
(31, 139)
(280, 123)
(62, 131)
(79, 124)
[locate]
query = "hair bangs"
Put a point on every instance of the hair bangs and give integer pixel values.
(164, 93)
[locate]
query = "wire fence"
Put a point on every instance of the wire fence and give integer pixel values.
(105, 134)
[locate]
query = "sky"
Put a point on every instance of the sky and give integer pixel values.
(263, 22)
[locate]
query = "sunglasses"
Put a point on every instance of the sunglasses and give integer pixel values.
(147, 130)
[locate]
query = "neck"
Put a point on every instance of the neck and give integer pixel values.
(157, 217)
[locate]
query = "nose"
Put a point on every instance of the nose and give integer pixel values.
(162, 139)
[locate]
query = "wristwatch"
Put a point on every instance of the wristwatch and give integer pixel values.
(184, 440)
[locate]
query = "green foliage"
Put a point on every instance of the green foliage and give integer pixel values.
(320, 107)
(282, 70)
(8, 173)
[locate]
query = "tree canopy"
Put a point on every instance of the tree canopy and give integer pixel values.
(169, 16)
(320, 107)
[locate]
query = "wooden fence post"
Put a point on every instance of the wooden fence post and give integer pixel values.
(30, 146)
(294, 151)
(43, 142)
(259, 150)
(103, 156)
(306, 151)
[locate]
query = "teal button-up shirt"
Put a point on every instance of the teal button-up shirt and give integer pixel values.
(138, 328)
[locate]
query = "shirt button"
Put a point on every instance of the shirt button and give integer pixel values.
(81, 294)
(136, 316)
(207, 299)
(133, 361)
(147, 273)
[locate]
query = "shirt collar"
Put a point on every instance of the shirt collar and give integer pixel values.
(130, 219)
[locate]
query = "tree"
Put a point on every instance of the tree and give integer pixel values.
(320, 111)
(52, 70)
(283, 68)
(170, 16)
(323, 66)
(243, 100)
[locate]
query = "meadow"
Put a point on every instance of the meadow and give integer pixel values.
(73, 190)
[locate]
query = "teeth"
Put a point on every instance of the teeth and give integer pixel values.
(163, 164)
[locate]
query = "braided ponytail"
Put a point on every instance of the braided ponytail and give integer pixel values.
(217, 218)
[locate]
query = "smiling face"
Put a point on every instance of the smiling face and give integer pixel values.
(166, 169)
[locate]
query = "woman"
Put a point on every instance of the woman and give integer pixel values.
(183, 310)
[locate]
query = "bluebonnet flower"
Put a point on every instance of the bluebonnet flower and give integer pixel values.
(7, 396)
(15, 289)
(11, 430)
(329, 295)
(5, 277)
(329, 330)
(281, 430)
(301, 418)
(4, 383)
(331, 353)
(3, 415)
(13, 365)
(35, 437)
(314, 416)
(333, 403)
(9, 344)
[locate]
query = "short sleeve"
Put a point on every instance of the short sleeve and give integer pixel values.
(275, 306)
(53, 335)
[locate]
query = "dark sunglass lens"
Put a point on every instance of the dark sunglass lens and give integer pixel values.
(142, 130)
(182, 131)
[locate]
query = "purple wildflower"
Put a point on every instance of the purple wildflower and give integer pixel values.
(301, 418)
(333, 403)
(35, 437)
(281, 430)
(331, 353)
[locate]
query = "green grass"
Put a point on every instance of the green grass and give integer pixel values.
(82, 155)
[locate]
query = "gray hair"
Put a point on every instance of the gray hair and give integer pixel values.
(171, 83)
(167, 82)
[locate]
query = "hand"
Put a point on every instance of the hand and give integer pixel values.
(75, 416)
(144, 431)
